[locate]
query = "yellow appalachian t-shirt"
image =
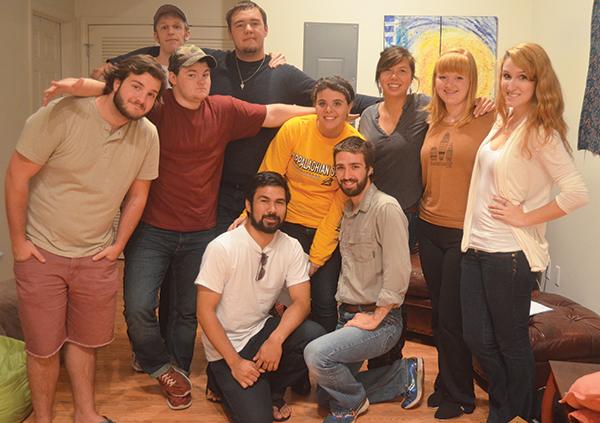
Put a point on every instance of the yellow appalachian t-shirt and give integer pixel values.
(447, 159)
(86, 172)
(305, 158)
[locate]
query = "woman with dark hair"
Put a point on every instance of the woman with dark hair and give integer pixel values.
(524, 156)
(396, 127)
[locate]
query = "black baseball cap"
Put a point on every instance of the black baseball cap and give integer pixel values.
(169, 9)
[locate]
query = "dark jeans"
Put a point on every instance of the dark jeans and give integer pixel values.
(323, 284)
(151, 255)
(439, 249)
(253, 404)
(495, 293)
(230, 206)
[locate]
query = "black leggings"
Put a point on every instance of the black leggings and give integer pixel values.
(439, 249)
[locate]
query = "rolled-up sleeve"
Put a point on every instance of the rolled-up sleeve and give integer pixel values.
(392, 235)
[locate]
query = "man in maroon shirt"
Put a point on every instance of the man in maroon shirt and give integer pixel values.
(180, 215)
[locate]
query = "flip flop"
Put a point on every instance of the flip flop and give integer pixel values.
(107, 420)
(211, 395)
(278, 404)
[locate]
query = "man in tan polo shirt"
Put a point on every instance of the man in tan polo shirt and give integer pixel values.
(76, 161)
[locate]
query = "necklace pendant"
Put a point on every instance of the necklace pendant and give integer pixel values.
(242, 85)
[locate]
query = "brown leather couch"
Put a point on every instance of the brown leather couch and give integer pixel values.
(570, 332)
(417, 304)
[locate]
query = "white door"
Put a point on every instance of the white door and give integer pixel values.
(46, 56)
(106, 41)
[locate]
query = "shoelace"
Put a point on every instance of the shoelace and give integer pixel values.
(167, 379)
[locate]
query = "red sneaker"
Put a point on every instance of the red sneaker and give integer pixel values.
(175, 383)
(179, 403)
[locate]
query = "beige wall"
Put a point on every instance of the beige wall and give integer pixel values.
(287, 29)
(564, 30)
(198, 12)
(15, 24)
(574, 240)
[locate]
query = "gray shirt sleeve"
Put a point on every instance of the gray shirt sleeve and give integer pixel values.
(392, 235)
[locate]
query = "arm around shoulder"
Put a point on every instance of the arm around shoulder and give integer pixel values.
(80, 87)
(278, 113)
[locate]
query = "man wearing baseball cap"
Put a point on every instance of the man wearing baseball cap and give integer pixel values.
(180, 215)
(171, 31)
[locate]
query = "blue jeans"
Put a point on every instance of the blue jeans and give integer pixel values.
(335, 359)
(151, 255)
(495, 293)
(253, 404)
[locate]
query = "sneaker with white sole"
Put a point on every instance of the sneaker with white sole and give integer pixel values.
(174, 383)
(416, 375)
(347, 417)
(179, 403)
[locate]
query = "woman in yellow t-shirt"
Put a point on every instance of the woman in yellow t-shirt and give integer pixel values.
(302, 151)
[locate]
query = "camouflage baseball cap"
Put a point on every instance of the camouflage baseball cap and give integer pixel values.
(189, 55)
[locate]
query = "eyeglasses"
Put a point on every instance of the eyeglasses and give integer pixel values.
(261, 269)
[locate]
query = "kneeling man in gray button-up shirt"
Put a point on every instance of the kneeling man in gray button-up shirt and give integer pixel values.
(374, 278)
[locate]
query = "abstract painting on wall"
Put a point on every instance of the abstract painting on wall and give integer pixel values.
(426, 37)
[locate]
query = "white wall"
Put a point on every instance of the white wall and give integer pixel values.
(15, 29)
(286, 29)
(63, 11)
(565, 33)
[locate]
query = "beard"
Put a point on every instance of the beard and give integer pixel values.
(250, 50)
(261, 226)
(353, 192)
(120, 105)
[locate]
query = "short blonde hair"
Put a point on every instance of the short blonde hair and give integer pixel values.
(546, 115)
(461, 62)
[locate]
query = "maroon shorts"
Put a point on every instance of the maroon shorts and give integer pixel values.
(66, 300)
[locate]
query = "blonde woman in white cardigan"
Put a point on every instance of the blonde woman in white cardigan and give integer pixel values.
(523, 157)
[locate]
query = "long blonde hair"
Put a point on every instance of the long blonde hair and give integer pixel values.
(461, 62)
(546, 113)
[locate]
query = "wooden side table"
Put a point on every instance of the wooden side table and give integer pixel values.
(561, 377)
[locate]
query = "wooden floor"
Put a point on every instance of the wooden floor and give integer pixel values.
(128, 397)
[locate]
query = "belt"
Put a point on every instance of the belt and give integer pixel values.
(358, 308)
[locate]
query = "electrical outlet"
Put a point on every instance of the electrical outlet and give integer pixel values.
(556, 274)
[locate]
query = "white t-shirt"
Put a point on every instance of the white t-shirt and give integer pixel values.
(487, 233)
(230, 266)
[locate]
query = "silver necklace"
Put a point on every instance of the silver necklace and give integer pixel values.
(242, 80)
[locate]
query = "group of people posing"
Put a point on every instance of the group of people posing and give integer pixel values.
(312, 273)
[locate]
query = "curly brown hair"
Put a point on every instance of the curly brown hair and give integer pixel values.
(137, 64)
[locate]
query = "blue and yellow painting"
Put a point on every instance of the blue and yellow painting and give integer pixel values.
(426, 37)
